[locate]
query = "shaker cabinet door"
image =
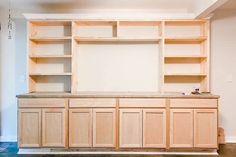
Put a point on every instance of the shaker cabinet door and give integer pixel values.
(205, 128)
(104, 127)
(80, 128)
(29, 131)
(181, 128)
(53, 127)
(130, 128)
(154, 128)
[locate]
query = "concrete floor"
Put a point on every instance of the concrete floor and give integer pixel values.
(10, 150)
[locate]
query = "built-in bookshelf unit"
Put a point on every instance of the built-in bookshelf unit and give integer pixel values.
(118, 55)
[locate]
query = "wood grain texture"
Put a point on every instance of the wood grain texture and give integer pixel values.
(104, 127)
(53, 127)
(29, 128)
(154, 128)
(80, 128)
(181, 128)
(130, 128)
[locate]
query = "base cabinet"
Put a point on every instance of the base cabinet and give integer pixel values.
(29, 127)
(142, 128)
(193, 128)
(92, 127)
(53, 127)
(107, 123)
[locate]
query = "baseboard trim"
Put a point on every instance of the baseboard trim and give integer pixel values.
(8, 139)
(49, 151)
(230, 139)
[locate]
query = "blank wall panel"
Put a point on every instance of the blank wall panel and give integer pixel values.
(118, 67)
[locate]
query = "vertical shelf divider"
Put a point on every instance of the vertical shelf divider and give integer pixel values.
(74, 64)
(162, 54)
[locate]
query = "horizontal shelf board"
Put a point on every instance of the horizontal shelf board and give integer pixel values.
(49, 39)
(50, 74)
(50, 56)
(184, 22)
(139, 23)
(185, 39)
(51, 22)
(185, 56)
(117, 39)
(186, 74)
(95, 22)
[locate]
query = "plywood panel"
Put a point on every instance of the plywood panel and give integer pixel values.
(114, 71)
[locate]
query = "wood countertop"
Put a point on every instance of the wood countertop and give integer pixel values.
(115, 95)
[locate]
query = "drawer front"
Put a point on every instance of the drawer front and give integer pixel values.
(142, 102)
(194, 103)
(41, 102)
(98, 102)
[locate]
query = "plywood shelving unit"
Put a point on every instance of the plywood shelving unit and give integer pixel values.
(54, 46)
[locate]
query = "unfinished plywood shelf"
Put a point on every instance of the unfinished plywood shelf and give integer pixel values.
(185, 57)
(183, 40)
(78, 39)
(186, 75)
(50, 39)
(50, 74)
(50, 56)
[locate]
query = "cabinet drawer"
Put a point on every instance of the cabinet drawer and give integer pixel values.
(98, 102)
(193, 103)
(142, 102)
(41, 102)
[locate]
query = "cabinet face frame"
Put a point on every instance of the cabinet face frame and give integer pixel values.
(71, 132)
(199, 126)
(173, 134)
(21, 124)
(113, 127)
(154, 111)
(63, 129)
(126, 134)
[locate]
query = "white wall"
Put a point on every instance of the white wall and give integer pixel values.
(12, 72)
(223, 55)
(13, 69)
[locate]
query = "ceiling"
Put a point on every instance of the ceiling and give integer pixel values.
(75, 6)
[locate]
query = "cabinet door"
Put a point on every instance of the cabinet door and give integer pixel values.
(104, 127)
(181, 128)
(53, 129)
(205, 128)
(29, 128)
(154, 128)
(80, 128)
(130, 128)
